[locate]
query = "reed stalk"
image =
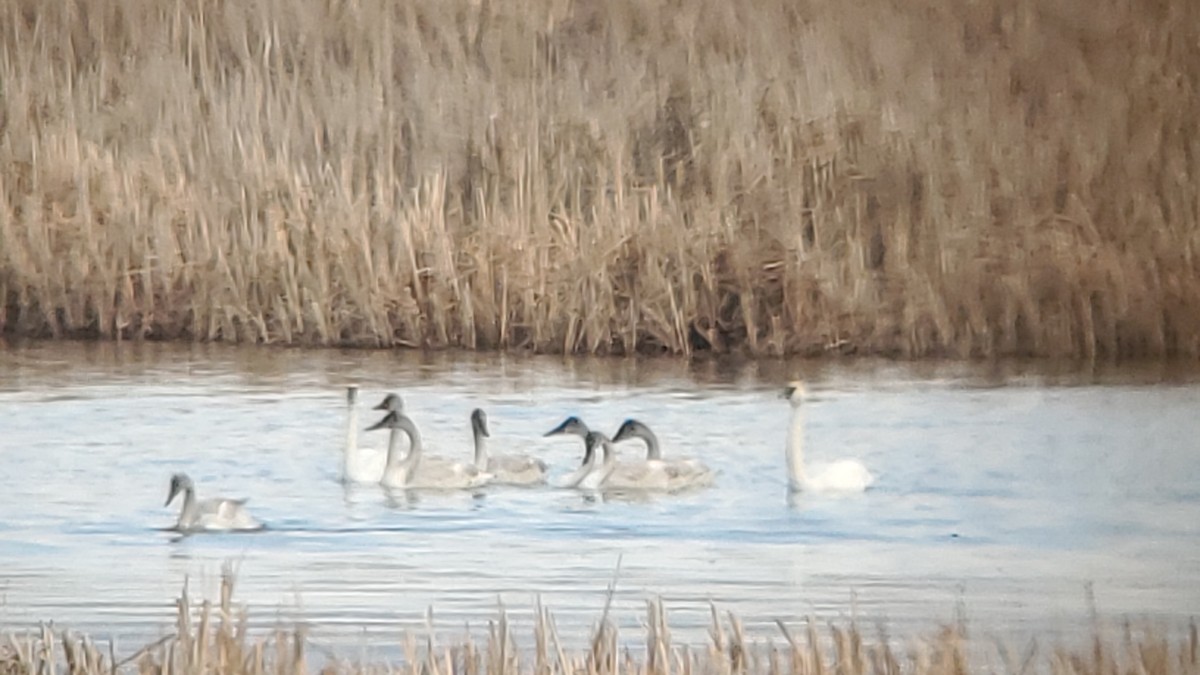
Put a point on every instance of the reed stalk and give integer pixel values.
(215, 640)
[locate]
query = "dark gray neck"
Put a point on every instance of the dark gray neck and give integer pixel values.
(652, 449)
(481, 454)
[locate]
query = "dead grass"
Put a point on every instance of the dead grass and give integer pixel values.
(770, 177)
(216, 639)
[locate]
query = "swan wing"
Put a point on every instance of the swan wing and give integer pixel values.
(223, 515)
(517, 469)
(687, 473)
(647, 475)
(845, 475)
(437, 472)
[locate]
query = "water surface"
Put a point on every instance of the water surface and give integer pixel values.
(1022, 498)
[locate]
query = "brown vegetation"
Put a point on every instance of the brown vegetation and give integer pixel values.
(217, 640)
(610, 176)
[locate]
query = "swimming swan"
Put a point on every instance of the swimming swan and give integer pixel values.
(691, 472)
(363, 465)
(412, 471)
(599, 476)
(505, 469)
(611, 474)
(210, 515)
(640, 475)
(845, 475)
(393, 403)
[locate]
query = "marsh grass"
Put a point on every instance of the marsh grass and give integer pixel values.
(216, 639)
(768, 177)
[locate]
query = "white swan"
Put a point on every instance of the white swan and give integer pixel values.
(845, 475)
(364, 465)
(210, 515)
(505, 469)
(414, 472)
(689, 472)
(393, 403)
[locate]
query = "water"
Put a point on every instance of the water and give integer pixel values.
(1021, 499)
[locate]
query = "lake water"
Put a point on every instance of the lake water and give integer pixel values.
(1019, 497)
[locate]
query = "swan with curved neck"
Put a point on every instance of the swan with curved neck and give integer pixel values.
(505, 469)
(610, 474)
(411, 471)
(573, 426)
(844, 475)
(210, 515)
(588, 476)
(599, 477)
(684, 472)
(363, 465)
(653, 475)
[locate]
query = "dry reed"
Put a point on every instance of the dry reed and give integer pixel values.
(216, 640)
(606, 176)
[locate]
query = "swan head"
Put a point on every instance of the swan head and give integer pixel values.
(571, 425)
(352, 394)
(392, 403)
(794, 393)
(179, 483)
(479, 422)
(631, 428)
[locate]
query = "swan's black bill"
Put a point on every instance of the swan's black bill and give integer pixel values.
(386, 423)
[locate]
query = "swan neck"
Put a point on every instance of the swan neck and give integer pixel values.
(413, 459)
(652, 449)
(393, 451)
(481, 453)
(187, 514)
(610, 461)
(351, 437)
(795, 449)
(577, 476)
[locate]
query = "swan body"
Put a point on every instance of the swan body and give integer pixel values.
(845, 475)
(679, 472)
(505, 469)
(414, 471)
(210, 515)
(641, 475)
(363, 465)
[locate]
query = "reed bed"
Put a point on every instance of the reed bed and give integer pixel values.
(215, 639)
(909, 178)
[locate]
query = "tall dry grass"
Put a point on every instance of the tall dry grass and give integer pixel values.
(216, 639)
(896, 177)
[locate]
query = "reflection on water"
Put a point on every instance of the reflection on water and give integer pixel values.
(1004, 491)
